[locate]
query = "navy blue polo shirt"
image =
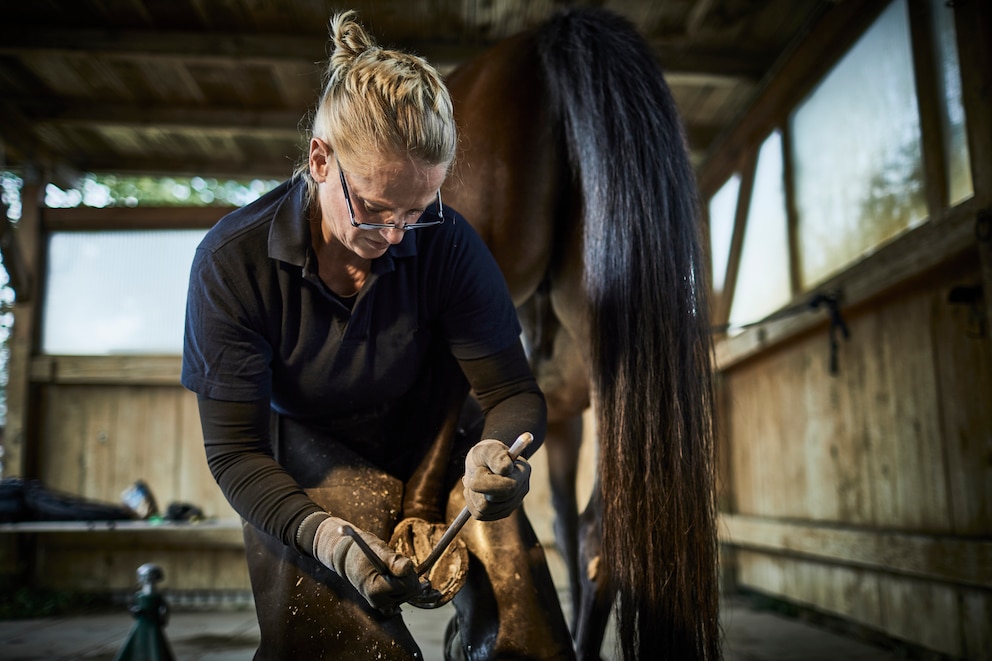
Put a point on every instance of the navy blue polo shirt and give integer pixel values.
(261, 324)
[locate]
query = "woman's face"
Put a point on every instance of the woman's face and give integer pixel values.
(384, 189)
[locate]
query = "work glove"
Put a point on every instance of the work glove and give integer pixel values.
(340, 552)
(495, 484)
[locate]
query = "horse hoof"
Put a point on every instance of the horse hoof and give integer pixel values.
(453, 648)
(415, 538)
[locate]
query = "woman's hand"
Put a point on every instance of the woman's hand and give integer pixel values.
(335, 548)
(495, 483)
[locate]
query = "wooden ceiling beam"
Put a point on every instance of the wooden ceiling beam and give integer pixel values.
(22, 118)
(185, 46)
(277, 49)
(20, 145)
(276, 167)
(257, 124)
(130, 218)
(260, 123)
(677, 56)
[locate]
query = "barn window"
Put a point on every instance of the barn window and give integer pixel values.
(857, 152)
(851, 177)
(722, 211)
(763, 273)
(117, 292)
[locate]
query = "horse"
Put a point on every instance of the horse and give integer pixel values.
(573, 167)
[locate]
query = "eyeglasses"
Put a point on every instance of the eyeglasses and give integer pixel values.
(427, 219)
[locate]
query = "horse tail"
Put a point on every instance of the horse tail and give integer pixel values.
(651, 346)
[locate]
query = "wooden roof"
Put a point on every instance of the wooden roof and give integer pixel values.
(220, 87)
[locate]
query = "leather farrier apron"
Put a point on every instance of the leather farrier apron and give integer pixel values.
(358, 469)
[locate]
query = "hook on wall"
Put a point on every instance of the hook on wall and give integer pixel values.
(837, 324)
(970, 296)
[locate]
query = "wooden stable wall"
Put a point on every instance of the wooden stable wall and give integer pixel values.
(868, 494)
(106, 423)
(99, 439)
(93, 426)
(110, 421)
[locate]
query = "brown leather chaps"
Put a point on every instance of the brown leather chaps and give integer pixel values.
(508, 607)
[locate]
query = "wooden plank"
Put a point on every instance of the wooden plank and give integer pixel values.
(973, 24)
(950, 559)
(788, 469)
(872, 412)
(909, 443)
(929, 99)
(104, 557)
(65, 566)
(855, 480)
(209, 531)
(762, 571)
(159, 436)
(216, 121)
(791, 212)
(107, 370)
(952, 620)
(215, 570)
(146, 441)
(726, 300)
(976, 613)
(836, 449)
(124, 218)
(109, 436)
(64, 444)
(745, 458)
(767, 442)
(18, 277)
(795, 447)
(189, 47)
(963, 367)
(922, 612)
(276, 162)
(724, 432)
(17, 458)
(848, 592)
(101, 443)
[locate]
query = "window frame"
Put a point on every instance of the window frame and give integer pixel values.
(947, 232)
(134, 369)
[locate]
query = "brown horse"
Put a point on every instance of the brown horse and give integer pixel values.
(575, 171)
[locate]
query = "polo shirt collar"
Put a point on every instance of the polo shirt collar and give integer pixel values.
(289, 235)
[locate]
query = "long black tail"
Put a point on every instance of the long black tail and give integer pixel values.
(651, 350)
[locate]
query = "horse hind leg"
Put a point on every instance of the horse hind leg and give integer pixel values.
(563, 378)
(593, 612)
(562, 444)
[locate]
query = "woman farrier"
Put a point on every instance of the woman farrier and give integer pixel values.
(334, 330)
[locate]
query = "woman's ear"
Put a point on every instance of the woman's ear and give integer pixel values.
(320, 160)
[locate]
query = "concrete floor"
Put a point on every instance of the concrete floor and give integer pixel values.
(751, 634)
